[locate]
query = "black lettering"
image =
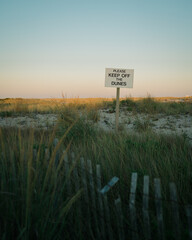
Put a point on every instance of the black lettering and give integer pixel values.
(118, 83)
(114, 75)
(125, 75)
(119, 70)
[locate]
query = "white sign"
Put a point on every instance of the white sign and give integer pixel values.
(119, 78)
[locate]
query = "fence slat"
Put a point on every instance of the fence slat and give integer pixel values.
(108, 219)
(93, 198)
(100, 201)
(146, 222)
(188, 210)
(119, 216)
(159, 209)
(132, 209)
(85, 194)
(175, 211)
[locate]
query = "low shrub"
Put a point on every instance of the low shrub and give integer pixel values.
(80, 126)
(129, 103)
(142, 125)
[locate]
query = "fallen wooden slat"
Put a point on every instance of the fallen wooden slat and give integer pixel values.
(175, 212)
(146, 222)
(133, 218)
(159, 209)
(109, 185)
(119, 216)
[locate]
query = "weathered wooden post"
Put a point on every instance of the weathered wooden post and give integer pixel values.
(146, 222)
(117, 110)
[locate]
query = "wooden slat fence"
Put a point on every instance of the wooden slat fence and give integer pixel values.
(103, 217)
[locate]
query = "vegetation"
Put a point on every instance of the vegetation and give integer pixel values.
(9, 107)
(152, 106)
(34, 203)
(32, 196)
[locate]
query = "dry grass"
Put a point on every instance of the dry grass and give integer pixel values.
(53, 105)
(18, 105)
(31, 183)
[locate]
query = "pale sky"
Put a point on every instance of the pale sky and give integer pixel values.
(50, 47)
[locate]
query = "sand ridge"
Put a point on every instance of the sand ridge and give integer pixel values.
(128, 121)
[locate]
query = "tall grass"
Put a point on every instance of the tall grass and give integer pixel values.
(33, 190)
(167, 157)
(34, 204)
(150, 105)
(9, 107)
(33, 187)
(81, 121)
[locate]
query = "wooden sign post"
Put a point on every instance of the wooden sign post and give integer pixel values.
(118, 78)
(117, 110)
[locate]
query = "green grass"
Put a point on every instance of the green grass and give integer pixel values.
(152, 106)
(33, 195)
(79, 122)
(167, 157)
(34, 203)
(149, 105)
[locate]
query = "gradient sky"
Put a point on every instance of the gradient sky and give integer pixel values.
(63, 46)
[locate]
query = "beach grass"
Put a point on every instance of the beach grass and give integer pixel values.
(33, 194)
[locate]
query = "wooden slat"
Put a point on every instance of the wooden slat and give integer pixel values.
(146, 222)
(93, 198)
(133, 189)
(159, 209)
(108, 219)
(119, 216)
(175, 211)
(85, 191)
(188, 210)
(100, 201)
(109, 185)
(133, 218)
